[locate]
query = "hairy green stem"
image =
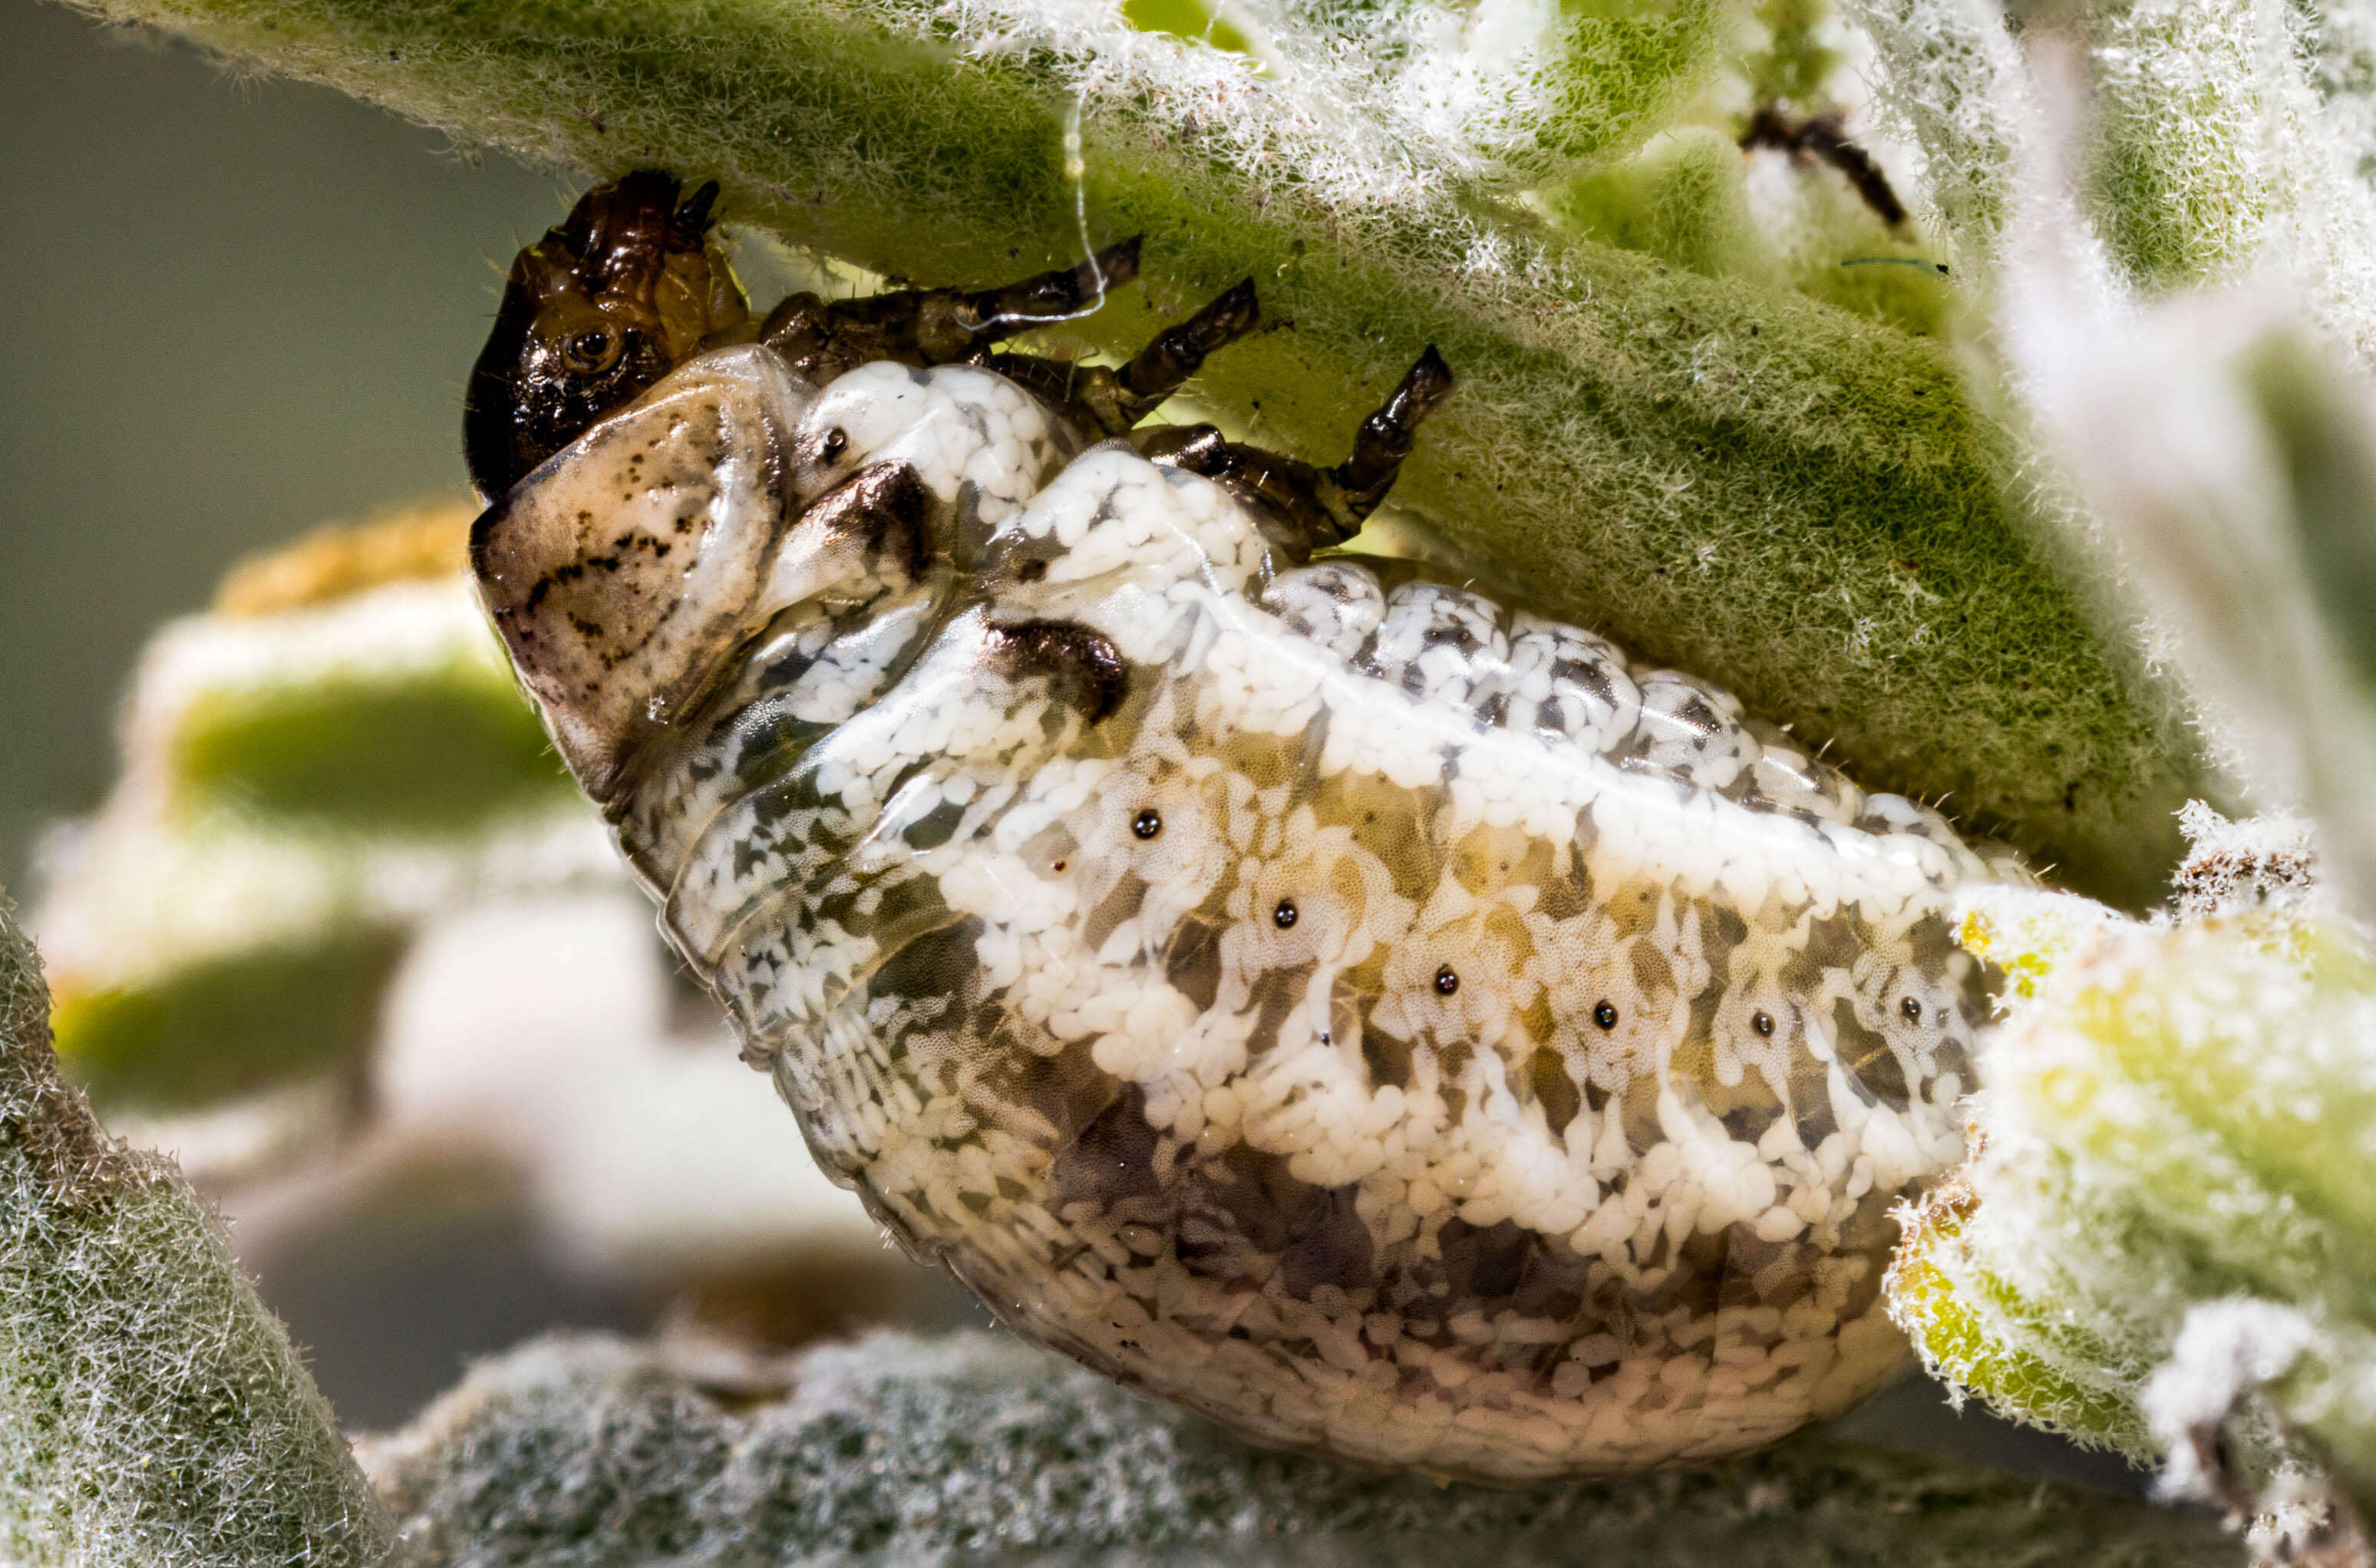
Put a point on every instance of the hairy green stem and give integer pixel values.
(153, 1411)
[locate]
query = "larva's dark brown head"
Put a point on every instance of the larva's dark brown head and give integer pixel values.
(594, 313)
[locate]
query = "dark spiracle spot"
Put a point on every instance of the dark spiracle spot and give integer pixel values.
(1071, 655)
(1605, 1015)
(1284, 916)
(1761, 1022)
(1446, 982)
(1147, 823)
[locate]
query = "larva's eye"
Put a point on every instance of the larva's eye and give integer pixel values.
(1761, 1022)
(1147, 823)
(1285, 915)
(592, 351)
(1912, 1009)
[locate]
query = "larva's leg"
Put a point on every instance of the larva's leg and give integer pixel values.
(1110, 401)
(1178, 353)
(1314, 507)
(821, 339)
(1386, 437)
(1821, 139)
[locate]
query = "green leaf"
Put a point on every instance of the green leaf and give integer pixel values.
(435, 750)
(1790, 500)
(2176, 1119)
(230, 1023)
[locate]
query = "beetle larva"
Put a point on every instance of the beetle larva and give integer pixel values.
(1394, 1025)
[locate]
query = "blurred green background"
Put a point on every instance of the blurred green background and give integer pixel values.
(234, 309)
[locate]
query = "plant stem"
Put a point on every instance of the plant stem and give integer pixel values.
(151, 1409)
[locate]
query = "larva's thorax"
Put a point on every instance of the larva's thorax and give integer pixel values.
(1393, 1024)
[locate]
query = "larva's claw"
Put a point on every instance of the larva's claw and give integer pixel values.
(1231, 316)
(1305, 507)
(1426, 384)
(692, 217)
(1193, 448)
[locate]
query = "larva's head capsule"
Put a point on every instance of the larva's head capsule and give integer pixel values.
(594, 313)
(623, 574)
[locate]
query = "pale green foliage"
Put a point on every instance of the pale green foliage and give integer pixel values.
(2176, 1119)
(1792, 64)
(1684, 199)
(2175, 167)
(1984, 1284)
(1790, 499)
(1681, 199)
(2215, 448)
(2223, 139)
(1954, 76)
(301, 788)
(1686, 196)
(1516, 92)
(584, 1453)
(2233, 466)
(151, 1410)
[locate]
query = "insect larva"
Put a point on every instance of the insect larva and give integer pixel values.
(1396, 1025)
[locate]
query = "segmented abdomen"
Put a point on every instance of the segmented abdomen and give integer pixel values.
(1396, 1025)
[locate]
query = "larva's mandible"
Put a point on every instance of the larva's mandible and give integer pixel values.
(1392, 1024)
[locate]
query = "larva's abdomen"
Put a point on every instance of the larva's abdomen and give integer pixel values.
(1396, 1025)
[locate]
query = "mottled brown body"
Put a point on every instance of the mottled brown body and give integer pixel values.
(1398, 1026)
